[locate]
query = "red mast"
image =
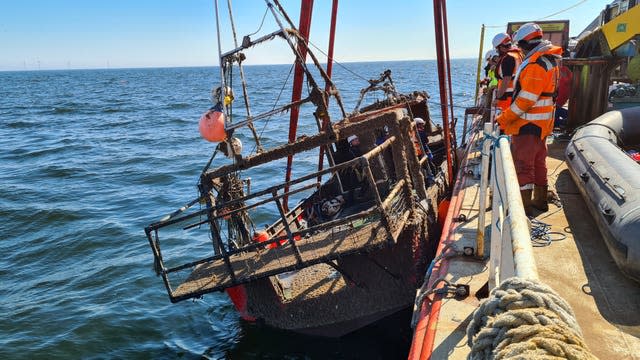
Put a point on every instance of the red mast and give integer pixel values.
(446, 44)
(443, 73)
(332, 35)
(424, 333)
(306, 10)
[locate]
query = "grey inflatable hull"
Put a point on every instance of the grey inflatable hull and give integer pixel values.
(609, 181)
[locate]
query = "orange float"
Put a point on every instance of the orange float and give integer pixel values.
(212, 126)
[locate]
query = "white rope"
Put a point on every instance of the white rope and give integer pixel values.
(525, 319)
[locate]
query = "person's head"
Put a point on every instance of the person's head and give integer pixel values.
(528, 36)
(502, 43)
(353, 140)
(420, 123)
(492, 57)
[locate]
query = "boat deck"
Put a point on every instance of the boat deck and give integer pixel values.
(579, 267)
(317, 248)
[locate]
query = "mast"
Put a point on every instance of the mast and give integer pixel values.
(306, 10)
(479, 64)
(332, 36)
(441, 40)
(448, 58)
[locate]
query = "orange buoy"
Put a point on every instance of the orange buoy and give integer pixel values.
(260, 236)
(212, 126)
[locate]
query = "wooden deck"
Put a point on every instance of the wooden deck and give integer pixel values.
(579, 268)
(320, 247)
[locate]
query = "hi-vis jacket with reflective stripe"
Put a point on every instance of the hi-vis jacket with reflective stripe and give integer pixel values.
(534, 90)
(505, 100)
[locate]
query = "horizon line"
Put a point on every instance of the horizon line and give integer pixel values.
(209, 66)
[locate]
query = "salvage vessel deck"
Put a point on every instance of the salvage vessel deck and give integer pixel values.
(578, 267)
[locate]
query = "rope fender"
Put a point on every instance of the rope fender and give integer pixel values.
(525, 319)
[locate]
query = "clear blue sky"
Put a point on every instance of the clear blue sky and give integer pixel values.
(63, 34)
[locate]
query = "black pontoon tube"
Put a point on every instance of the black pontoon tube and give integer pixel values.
(609, 181)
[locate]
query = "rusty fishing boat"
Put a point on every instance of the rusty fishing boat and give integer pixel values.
(348, 243)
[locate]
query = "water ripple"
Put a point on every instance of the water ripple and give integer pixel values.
(90, 157)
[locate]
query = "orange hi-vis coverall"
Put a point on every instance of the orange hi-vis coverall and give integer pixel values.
(535, 86)
(513, 57)
(529, 119)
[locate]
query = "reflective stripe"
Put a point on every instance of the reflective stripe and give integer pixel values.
(547, 62)
(545, 102)
(528, 95)
(509, 89)
(534, 117)
(516, 110)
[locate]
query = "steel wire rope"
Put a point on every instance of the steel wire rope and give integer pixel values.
(274, 106)
(338, 63)
(266, 11)
(561, 11)
(545, 17)
(456, 104)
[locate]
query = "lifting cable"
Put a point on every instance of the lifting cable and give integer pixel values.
(544, 17)
(242, 78)
(275, 104)
(266, 11)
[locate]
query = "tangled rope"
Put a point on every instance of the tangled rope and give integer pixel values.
(541, 234)
(524, 319)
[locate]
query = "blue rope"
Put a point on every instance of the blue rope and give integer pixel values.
(496, 144)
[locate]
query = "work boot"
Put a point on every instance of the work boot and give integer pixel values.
(526, 201)
(540, 198)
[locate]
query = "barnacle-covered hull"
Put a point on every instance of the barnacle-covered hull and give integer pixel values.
(309, 271)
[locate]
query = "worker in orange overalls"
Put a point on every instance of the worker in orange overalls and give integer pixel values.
(509, 60)
(529, 119)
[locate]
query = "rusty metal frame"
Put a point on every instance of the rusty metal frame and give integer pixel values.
(400, 195)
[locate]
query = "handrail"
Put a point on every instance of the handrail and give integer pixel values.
(511, 249)
(384, 208)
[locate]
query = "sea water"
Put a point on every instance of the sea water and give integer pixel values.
(88, 158)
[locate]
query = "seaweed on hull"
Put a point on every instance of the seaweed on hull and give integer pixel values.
(355, 246)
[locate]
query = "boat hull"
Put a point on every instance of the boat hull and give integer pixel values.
(321, 301)
(609, 181)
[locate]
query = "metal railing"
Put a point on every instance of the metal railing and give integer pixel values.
(511, 251)
(388, 207)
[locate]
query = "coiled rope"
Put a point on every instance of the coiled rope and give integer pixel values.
(525, 319)
(541, 234)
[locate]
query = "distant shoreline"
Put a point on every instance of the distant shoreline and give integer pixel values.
(204, 66)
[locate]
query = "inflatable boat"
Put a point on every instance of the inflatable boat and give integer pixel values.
(609, 181)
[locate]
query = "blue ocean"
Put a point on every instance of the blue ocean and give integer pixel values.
(88, 158)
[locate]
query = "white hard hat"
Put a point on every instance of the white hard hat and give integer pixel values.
(351, 138)
(491, 53)
(501, 39)
(526, 32)
(418, 121)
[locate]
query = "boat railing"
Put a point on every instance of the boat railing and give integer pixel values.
(290, 243)
(511, 252)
